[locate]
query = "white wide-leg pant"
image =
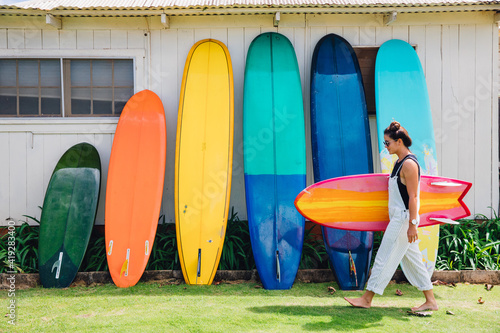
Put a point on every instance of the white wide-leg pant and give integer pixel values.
(396, 249)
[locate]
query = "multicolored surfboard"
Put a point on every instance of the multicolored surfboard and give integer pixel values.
(68, 214)
(274, 158)
(339, 122)
(401, 95)
(135, 187)
(360, 202)
(203, 159)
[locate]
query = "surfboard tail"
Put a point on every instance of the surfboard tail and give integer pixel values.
(453, 207)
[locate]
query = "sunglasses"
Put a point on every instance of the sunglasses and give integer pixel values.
(387, 143)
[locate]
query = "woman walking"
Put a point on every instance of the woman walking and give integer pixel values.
(399, 241)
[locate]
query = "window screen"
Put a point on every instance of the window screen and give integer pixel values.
(99, 87)
(89, 87)
(30, 87)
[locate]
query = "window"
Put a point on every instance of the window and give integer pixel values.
(87, 87)
(98, 87)
(30, 87)
(366, 58)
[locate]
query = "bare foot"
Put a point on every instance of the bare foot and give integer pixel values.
(426, 306)
(359, 302)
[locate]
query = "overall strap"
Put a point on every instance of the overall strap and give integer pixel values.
(402, 161)
(403, 191)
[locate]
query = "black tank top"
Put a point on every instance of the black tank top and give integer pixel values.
(402, 187)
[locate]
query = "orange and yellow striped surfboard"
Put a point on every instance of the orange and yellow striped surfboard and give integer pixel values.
(361, 202)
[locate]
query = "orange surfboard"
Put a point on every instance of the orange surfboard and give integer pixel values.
(360, 202)
(135, 187)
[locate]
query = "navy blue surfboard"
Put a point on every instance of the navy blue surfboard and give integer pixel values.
(341, 146)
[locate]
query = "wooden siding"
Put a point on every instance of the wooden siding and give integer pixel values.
(459, 54)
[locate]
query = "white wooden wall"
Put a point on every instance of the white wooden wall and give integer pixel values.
(458, 51)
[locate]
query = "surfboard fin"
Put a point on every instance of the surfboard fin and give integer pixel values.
(443, 220)
(57, 265)
(110, 247)
(198, 269)
(124, 268)
(125, 264)
(352, 268)
(278, 268)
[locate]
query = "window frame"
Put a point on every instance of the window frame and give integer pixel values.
(368, 74)
(67, 89)
(138, 57)
(38, 87)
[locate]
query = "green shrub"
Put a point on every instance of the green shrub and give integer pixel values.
(95, 256)
(26, 249)
(164, 255)
(314, 254)
(377, 239)
(470, 245)
(237, 250)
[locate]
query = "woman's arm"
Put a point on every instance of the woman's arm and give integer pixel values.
(409, 177)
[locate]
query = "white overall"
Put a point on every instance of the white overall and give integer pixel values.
(396, 249)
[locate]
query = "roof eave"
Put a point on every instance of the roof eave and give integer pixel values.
(247, 10)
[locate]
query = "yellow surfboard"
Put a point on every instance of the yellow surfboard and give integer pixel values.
(203, 159)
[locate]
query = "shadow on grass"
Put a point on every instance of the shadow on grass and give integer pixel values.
(343, 318)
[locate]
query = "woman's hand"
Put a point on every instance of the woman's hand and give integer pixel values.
(412, 234)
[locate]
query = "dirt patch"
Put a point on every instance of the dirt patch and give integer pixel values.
(87, 315)
(165, 282)
(120, 312)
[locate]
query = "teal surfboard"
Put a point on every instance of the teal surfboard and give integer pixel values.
(274, 158)
(401, 95)
(68, 214)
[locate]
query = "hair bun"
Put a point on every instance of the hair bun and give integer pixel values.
(395, 131)
(394, 126)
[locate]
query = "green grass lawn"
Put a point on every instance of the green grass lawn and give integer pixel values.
(149, 307)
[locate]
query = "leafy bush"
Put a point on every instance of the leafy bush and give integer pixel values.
(26, 253)
(95, 256)
(164, 253)
(314, 254)
(377, 239)
(470, 245)
(237, 250)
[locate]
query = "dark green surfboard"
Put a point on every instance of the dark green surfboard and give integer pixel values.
(68, 214)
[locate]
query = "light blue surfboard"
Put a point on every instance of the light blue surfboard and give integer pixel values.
(401, 95)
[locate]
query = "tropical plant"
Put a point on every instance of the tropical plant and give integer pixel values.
(237, 250)
(164, 253)
(26, 249)
(95, 256)
(314, 255)
(377, 239)
(470, 245)
(467, 246)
